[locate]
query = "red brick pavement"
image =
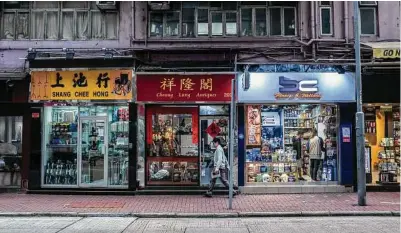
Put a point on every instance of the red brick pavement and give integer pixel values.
(383, 201)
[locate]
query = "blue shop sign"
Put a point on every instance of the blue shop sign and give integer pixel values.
(297, 87)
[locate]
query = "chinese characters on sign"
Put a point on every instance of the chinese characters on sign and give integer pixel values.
(84, 85)
(167, 83)
(186, 84)
(184, 87)
(207, 84)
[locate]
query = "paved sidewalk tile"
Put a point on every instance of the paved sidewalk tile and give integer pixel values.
(182, 205)
(217, 230)
(33, 225)
(99, 225)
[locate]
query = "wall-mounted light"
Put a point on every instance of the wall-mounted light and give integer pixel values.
(9, 83)
(69, 54)
(31, 54)
(246, 82)
(108, 54)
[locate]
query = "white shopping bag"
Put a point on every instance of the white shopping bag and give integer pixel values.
(215, 175)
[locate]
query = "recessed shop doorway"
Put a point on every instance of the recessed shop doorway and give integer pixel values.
(92, 151)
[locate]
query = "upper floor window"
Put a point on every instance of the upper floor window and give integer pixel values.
(70, 20)
(223, 19)
(325, 18)
(367, 11)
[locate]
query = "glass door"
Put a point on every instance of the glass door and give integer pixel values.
(211, 127)
(93, 150)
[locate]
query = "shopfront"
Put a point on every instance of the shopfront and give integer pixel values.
(281, 109)
(381, 97)
(14, 127)
(85, 127)
(182, 115)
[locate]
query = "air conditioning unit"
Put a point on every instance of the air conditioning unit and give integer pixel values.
(159, 5)
(106, 5)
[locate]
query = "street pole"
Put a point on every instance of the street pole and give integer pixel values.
(359, 118)
(231, 144)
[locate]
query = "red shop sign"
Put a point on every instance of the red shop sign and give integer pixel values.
(186, 88)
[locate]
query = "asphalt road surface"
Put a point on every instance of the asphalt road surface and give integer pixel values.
(201, 225)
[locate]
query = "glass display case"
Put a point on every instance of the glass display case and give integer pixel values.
(172, 157)
(61, 145)
(271, 130)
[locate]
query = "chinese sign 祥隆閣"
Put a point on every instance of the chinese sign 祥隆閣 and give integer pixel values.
(81, 85)
(186, 88)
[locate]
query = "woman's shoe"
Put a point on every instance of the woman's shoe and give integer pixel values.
(208, 194)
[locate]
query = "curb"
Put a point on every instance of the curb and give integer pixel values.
(206, 215)
(269, 214)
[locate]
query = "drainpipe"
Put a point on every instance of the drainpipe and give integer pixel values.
(313, 26)
(147, 27)
(132, 21)
(346, 26)
(302, 22)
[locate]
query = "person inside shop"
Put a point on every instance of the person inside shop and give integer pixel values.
(315, 149)
(220, 169)
(297, 146)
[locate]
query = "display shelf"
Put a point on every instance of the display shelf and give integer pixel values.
(173, 159)
(380, 182)
(257, 146)
(168, 182)
(297, 118)
(258, 162)
(60, 145)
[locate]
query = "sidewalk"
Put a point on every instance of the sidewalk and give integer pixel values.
(383, 203)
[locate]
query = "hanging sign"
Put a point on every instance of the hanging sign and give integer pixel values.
(186, 88)
(81, 85)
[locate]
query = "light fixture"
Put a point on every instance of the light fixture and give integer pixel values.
(246, 82)
(69, 54)
(9, 83)
(108, 54)
(31, 54)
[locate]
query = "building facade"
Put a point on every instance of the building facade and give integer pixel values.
(180, 46)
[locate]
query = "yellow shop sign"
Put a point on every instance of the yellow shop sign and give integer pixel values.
(386, 53)
(81, 85)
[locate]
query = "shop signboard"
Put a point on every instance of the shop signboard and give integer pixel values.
(386, 108)
(81, 85)
(184, 87)
(386, 52)
(298, 87)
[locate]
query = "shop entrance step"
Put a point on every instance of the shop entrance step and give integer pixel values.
(383, 188)
(82, 192)
(179, 190)
(288, 189)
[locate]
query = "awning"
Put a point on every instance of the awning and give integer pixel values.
(11, 66)
(385, 49)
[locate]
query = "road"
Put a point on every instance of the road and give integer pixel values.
(199, 225)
